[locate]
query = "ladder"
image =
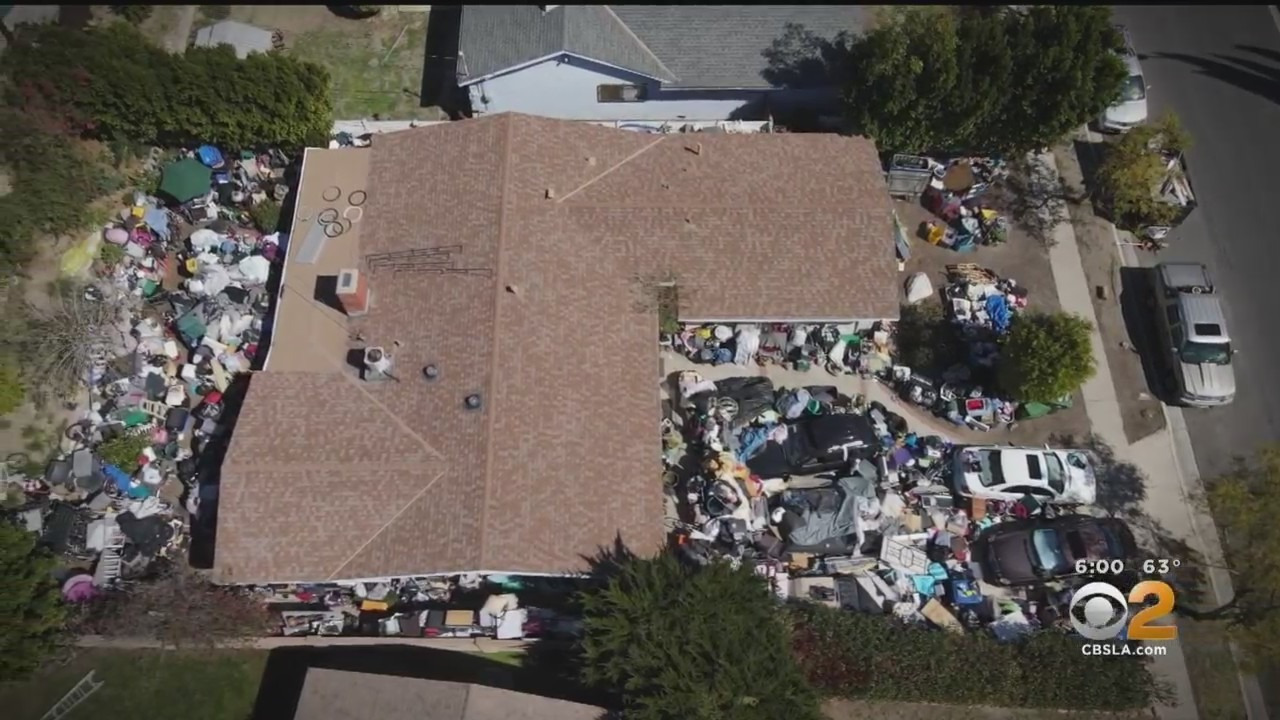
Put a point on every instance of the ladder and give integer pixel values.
(109, 561)
(83, 689)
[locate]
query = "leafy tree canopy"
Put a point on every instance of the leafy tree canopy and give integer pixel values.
(982, 79)
(111, 83)
(31, 611)
(1244, 503)
(1046, 356)
(1134, 167)
(683, 643)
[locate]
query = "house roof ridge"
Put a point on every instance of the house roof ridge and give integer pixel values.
(390, 521)
(671, 76)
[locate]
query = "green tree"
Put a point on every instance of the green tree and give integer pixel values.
(266, 215)
(112, 83)
(1045, 356)
(901, 78)
(683, 643)
(12, 390)
(982, 79)
(135, 14)
(1067, 73)
(1245, 503)
(31, 612)
(1133, 169)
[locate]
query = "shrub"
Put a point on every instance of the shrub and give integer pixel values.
(872, 657)
(1133, 168)
(1045, 356)
(683, 643)
(33, 611)
(111, 83)
(136, 14)
(926, 340)
(12, 390)
(266, 215)
(123, 451)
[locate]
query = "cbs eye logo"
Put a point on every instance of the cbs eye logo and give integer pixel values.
(1099, 611)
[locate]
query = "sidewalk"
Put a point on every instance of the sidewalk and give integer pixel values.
(1168, 489)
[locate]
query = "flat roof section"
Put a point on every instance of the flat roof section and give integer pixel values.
(310, 330)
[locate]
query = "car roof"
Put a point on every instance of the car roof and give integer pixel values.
(1131, 64)
(1185, 275)
(1203, 318)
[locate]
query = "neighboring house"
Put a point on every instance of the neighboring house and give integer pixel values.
(244, 38)
(11, 16)
(640, 62)
(505, 266)
(347, 695)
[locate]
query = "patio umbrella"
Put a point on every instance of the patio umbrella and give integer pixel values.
(185, 179)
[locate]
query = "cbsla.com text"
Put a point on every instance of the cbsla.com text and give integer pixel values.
(1143, 649)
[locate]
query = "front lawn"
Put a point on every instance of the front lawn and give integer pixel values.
(146, 684)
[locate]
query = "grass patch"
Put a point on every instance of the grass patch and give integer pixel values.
(514, 658)
(206, 685)
(1214, 679)
(375, 68)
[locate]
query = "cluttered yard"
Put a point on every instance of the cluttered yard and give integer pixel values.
(375, 64)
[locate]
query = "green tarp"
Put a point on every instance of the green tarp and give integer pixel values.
(185, 180)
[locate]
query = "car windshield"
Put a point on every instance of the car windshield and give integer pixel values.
(1134, 89)
(1198, 353)
(990, 474)
(1048, 555)
(1057, 473)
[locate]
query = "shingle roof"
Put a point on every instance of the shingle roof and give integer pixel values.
(493, 38)
(345, 695)
(329, 477)
(696, 46)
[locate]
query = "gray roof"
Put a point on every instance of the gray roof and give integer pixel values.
(244, 38)
(494, 38)
(696, 46)
(344, 695)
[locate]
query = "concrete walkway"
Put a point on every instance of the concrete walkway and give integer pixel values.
(1169, 497)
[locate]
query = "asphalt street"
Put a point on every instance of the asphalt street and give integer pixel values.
(1218, 68)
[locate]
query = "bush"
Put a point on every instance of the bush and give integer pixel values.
(266, 216)
(136, 14)
(33, 612)
(1045, 356)
(123, 451)
(872, 657)
(1133, 168)
(12, 390)
(926, 340)
(54, 179)
(111, 83)
(683, 643)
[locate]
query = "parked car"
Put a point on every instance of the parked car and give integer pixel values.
(1193, 334)
(1130, 110)
(817, 444)
(1010, 473)
(1026, 552)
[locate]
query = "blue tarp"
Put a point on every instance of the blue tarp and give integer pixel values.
(122, 481)
(158, 220)
(210, 156)
(999, 312)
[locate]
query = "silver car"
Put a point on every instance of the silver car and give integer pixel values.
(1194, 330)
(1130, 109)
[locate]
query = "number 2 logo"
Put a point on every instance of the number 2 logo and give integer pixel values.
(1140, 626)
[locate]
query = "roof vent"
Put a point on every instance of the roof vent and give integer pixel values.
(513, 289)
(377, 364)
(430, 372)
(473, 401)
(551, 194)
(547, 8)
(695, 148)
(591, 161)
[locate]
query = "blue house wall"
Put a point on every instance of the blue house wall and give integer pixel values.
(566, 87)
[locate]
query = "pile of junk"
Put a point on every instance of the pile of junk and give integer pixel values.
(188, 308)
(839, 349)
(956, 192)
(981, 306)
(834, 501)
(205, 185)
(503, 607)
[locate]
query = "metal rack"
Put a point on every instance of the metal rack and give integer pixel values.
(437, 260)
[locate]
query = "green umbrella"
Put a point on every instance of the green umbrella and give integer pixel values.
(185, 179)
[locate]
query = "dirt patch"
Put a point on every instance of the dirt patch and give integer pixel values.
(1119, 306)
(1023, 259)
(376, 65)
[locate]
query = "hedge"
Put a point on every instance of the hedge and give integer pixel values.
(874, 657)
